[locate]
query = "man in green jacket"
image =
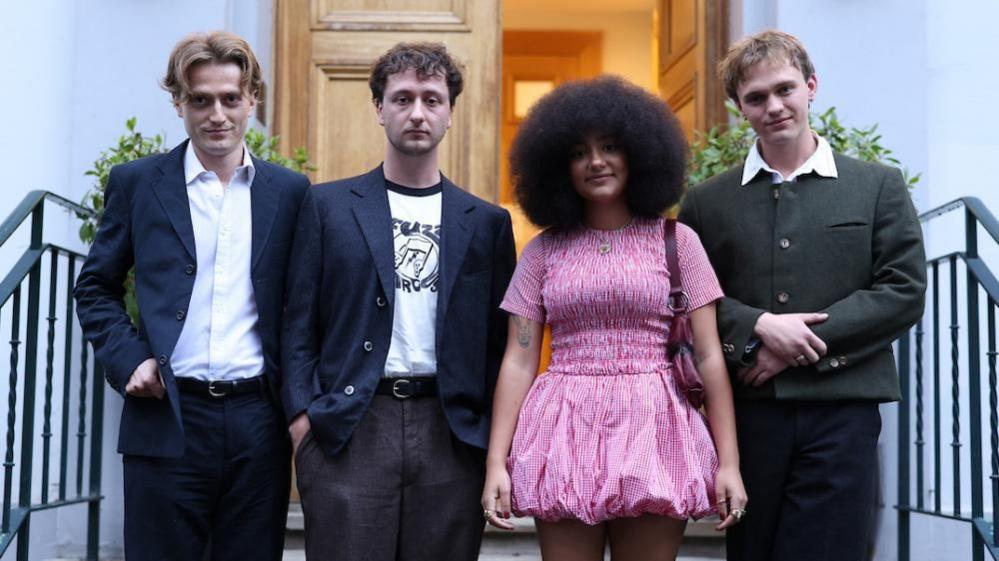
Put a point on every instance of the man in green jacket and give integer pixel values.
(822, 263)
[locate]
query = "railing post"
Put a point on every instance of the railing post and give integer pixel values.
(30, 372)
(67, 377)
(96, 445)
(974, 385)
(903, 449)
(8, 464)
(955, 388)
(49, 358)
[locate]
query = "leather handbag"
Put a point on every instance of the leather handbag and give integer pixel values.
(680, 341)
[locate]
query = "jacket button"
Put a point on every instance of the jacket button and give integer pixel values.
(349, 390)
(784, 243)
(163, 359)
(180, 315)
(783, 297)
(728, 348)
(842, 361)
(189, 269)
(834, 363)
(368, 346)
(380, 302)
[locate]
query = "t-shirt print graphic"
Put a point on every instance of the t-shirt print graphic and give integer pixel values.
(417, 255)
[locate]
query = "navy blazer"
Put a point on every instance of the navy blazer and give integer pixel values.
(341, 295)
(147, 223)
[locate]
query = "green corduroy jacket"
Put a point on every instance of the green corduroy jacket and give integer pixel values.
(849, 246)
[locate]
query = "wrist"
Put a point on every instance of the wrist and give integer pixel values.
(495, 462)
(761, 324)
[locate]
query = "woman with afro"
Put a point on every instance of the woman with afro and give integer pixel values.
(604, 446)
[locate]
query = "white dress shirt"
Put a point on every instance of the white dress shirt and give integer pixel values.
(821, 162)
(219, 340)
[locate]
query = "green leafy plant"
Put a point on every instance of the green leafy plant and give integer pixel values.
(134, 145)
(724, 147)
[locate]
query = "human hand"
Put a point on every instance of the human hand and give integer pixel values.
(146, 380)
(299, 427)
(496, 496)
(790, 338)
(731, 494)
(767, 366)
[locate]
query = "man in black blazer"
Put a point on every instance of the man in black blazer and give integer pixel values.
(207, 228)
(394, 336)
(822, 263)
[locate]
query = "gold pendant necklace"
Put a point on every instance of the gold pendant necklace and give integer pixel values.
(606, 245)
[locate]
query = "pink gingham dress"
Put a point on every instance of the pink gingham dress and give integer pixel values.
(605, 433)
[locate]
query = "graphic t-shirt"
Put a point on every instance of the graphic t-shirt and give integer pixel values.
(416, 231)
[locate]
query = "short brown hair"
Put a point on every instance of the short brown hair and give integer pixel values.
(770, 45)
(428, 59)
(218, 47)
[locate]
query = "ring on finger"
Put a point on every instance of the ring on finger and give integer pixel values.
(738, 513)
(487, 514)
(800, 358)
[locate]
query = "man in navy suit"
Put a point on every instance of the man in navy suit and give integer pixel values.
(393, 336)
(207, 228)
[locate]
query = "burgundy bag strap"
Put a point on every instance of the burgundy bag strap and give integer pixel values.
(673, 264)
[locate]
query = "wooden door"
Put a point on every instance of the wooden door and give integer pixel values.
(324, 50)
(692, 39)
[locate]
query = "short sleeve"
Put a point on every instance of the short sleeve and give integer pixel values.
(699, 279)
(523, 296)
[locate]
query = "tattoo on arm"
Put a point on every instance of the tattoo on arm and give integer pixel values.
(523, 331)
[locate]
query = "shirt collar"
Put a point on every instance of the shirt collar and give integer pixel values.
(821, 162)
(193, 169)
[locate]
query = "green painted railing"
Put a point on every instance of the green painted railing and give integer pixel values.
(77, 370)
(965, 387)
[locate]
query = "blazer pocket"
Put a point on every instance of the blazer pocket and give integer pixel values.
(846, 225)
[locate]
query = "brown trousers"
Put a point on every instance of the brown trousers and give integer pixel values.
(402, 489)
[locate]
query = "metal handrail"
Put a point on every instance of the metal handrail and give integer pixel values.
(41, 330)
(977, 278)
(975, 208)
(29, 204)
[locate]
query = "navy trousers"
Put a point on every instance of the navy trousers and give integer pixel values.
(810, 469)
(225, 499)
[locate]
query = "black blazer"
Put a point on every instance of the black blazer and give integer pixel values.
(341, 296)
(147, 222)
(850, 246)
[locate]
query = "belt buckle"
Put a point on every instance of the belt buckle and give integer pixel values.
(213, 392)
(397, 388)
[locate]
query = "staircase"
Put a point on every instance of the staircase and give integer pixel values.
(701, 542)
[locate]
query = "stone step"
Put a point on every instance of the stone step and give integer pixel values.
(701, 541)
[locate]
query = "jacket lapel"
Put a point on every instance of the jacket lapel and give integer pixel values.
(264, 197)
(371, 210)
(171, 190)
(457, 227)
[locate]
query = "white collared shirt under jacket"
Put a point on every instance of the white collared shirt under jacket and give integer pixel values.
(820, 162)
(219, 340)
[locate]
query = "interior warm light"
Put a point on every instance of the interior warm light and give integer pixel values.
(526, 93)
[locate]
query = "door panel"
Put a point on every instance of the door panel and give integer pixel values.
(692, 38)
(324, 50)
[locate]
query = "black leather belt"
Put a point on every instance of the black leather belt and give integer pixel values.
(405, 388)
(222, 388)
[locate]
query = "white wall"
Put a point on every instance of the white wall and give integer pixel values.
(627, 37)
(74, 72)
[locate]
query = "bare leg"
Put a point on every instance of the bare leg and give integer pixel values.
(646, 538)
(571, 540)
